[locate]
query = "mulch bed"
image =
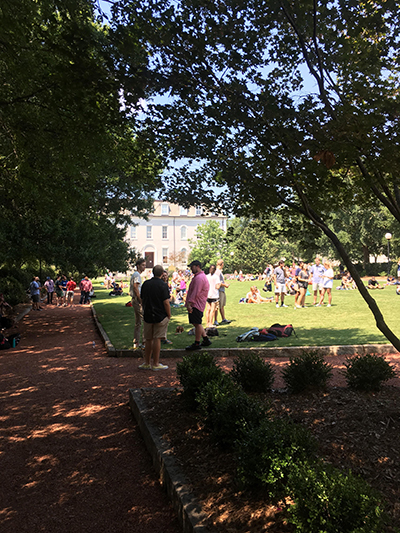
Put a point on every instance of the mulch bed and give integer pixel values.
(355, 431)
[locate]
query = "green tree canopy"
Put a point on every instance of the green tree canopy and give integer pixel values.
(285, 103)
(73, 161)
(209, 244)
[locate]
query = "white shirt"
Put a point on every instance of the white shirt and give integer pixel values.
(213, 280)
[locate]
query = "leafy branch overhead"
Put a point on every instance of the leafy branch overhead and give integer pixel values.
(284, 103)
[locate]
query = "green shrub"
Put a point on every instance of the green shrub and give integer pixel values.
(367, 372)
(253, 373)
(212, 393)
(327, 500)
(268, 453)
(308, 371)
(13, 290)
(194, 372)
(233, 416)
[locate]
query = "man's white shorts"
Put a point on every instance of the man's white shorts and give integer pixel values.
(317, 286)
(279, 288)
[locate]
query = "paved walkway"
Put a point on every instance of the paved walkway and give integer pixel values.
(71, 457)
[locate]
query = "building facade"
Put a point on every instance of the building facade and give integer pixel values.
(163, 239)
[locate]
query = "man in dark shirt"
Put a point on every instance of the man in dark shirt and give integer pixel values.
(156, 314)
(373, 284)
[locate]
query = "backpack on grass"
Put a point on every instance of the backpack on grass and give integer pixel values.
(281, 331)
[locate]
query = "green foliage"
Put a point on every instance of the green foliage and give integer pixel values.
(233, 416)
(268, 453)
(306, 372)
(367, 372)
(72, 166)
(194, 372)
(253, 373)
(13, 290)
(328, 501)
(212, 393)
(302, 114)
(209, 244)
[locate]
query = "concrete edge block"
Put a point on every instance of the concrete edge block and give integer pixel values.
(190, 514)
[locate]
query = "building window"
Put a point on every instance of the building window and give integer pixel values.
(184, 255)
(223, 223)
(133, 232)
(165, 256)
(165, 232)
(164, 209)
(183, 233)
(183, 211)
(199, 211)
(149, 232)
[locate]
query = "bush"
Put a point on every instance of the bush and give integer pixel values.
(234, 415)
(307, 372)
(267, 455)
(328, 501)
(13, 290)
(212, 393)
(194, 372)
(253, 373)
(367, 372)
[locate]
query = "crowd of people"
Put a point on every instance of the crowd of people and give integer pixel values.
(60, 293)
(202, 295)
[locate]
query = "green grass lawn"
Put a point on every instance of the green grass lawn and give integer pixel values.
(348, 321)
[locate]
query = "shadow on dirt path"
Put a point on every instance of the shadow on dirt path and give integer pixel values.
(71, 457)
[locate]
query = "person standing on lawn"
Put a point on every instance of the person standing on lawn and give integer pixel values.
(279, 282)
(135, 286)
(327, 284)
(213, 296)
(222, 294)
(317, 272)
(196, 300)
(157, 314)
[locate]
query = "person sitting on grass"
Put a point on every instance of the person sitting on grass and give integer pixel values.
(254, 297)
(373, 284)
(117, 290)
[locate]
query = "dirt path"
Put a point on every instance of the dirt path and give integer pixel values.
(71, 457)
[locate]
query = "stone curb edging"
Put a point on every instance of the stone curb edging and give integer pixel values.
(108, 344)
(190, 515)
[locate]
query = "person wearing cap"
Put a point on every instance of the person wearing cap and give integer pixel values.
(196, 299)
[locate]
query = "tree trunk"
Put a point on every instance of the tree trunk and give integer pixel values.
(379, 320)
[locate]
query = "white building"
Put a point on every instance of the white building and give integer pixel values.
(163, 239)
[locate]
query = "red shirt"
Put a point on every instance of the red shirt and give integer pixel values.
(71, 285)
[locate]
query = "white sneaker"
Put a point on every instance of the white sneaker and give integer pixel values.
(160, 367)
(143, 366)
(283, 305)
(277, 306)
(329, 305)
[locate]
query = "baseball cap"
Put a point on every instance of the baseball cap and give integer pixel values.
(195, 263)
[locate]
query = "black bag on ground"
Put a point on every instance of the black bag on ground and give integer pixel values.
(212, 331)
